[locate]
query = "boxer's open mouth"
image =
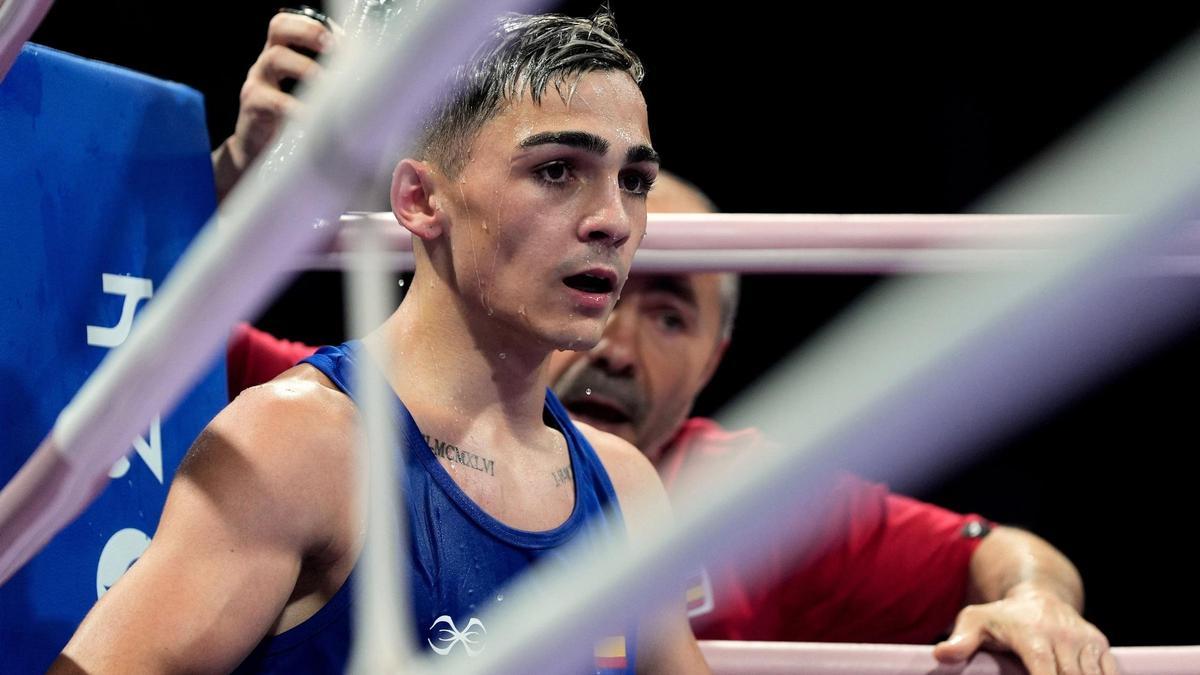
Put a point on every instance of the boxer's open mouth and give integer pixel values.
(592, 281)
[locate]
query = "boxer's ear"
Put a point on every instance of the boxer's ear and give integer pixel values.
(415, 199)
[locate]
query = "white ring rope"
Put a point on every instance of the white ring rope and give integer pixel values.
(786, 658)
(827, 243)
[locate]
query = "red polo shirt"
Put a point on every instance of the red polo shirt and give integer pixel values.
(888, 569)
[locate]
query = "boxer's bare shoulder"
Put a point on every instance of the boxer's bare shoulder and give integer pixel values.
(257, 532)
(297, 430)
(301, 401)
(639, 490)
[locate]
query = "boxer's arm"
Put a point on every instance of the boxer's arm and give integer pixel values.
(665, 640)
(246, 508)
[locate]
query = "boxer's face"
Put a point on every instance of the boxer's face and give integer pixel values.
(549, 208)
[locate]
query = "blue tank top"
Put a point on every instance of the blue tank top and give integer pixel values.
(460, 558)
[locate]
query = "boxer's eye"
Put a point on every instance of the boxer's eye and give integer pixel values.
(636, 181)
(555, 173)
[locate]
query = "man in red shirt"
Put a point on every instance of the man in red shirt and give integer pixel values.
(889, 569)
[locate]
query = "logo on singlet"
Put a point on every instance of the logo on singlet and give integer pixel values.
(449, 636)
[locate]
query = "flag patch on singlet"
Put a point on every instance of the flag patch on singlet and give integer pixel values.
(699, 594)
(610, 654)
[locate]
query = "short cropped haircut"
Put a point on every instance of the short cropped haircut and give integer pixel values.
(524, 54)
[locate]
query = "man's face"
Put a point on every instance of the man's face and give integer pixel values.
(658, 351)
(549, 208)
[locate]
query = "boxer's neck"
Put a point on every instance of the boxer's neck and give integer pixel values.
(451, 366)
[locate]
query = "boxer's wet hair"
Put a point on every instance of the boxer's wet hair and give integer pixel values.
(525, 54)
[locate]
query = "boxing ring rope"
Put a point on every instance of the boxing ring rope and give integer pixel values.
(246, 260)
(381, 606)
(824, 243)
(786, 658)
(18, 20)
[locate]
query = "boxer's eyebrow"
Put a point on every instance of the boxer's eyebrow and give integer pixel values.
(583, 140)
(591, 143)
(642, 153)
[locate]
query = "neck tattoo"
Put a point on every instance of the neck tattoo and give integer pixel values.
(453, 453)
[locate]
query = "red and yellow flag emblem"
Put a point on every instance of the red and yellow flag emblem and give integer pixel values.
(610, 653)
(699, 594)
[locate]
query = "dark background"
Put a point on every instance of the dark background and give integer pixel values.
(789, 110)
